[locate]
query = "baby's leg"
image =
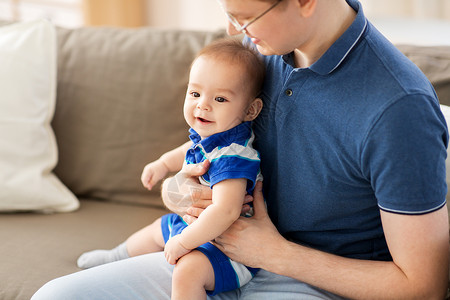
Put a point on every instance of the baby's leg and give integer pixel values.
(147, 240)
(192, 276)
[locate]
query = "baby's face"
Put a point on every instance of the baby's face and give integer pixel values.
(217, 98)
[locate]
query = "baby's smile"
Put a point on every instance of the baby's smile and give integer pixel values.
(203, 120)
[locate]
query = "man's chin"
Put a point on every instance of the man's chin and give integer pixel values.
(266, 51)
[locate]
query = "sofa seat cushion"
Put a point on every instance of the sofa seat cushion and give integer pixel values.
(37, 248)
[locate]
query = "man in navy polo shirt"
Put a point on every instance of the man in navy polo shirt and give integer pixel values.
(353, 147)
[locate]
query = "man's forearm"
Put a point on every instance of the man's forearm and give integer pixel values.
(351, 278)
(419, 269)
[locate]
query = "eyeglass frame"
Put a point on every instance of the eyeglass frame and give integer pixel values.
(243, 28)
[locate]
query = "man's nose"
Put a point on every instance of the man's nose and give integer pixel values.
(231, 30)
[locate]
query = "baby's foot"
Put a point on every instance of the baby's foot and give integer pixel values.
(99, 257)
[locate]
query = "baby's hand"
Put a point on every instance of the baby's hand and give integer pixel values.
(174, 250)
(153, 172)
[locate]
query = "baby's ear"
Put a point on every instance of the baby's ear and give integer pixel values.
(254, 109)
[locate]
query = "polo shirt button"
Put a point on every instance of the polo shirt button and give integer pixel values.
(288, 92)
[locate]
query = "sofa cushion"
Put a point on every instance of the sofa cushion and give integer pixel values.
(28, 151)
(120, 106)
(435, 63)
(36, 248)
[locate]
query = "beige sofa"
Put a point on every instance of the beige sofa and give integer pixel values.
(119, 106)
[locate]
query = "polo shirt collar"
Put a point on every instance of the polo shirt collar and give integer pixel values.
(222, 139)
(334, 56)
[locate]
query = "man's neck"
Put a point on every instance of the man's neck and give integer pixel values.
(331, 22)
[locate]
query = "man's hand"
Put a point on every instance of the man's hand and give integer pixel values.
(184, 191)
(244, 241)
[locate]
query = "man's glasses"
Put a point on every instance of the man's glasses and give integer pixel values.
(243, 28)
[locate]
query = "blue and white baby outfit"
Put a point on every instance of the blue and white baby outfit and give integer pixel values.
(231, 156)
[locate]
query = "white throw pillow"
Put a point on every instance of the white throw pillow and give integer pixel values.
(28, 151)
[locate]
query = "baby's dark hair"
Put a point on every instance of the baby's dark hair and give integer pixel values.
(234, 51)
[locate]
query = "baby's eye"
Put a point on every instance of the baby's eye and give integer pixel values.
(221, 99)
(195, 94)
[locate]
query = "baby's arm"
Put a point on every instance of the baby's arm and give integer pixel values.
(171, 161)
(227, 200)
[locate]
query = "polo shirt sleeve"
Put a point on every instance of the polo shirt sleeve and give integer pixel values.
(234, 161)
(404, 154)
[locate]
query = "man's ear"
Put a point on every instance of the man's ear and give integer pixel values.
(254, 109)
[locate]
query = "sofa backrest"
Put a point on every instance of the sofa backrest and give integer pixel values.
(120, 96)
(434, 61)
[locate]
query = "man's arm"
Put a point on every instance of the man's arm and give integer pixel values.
(419, 246)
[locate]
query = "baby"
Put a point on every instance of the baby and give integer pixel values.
(221, 101)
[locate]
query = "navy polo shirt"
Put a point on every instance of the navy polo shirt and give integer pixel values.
(358, 131)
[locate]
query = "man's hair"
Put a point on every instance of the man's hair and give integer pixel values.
(234, 51)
